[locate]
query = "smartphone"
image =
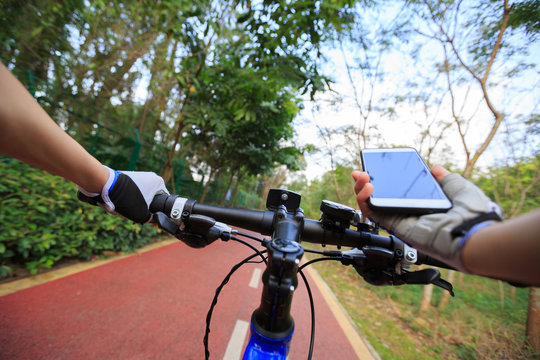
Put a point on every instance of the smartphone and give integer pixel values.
(402, 182)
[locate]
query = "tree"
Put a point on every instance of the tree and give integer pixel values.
(33, 31)
(476, 49)
(331, 148)
(280, 55)
(244, 118)
(119, 73)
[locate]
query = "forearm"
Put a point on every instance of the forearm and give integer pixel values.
(30, 135)
(509, 250)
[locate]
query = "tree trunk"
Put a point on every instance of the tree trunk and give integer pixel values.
(425, 302)
(167, 167)
(134, 52)
(236, 186)
(264, 193)
(336, 185)
(501, 293)
(224, 198)
(275, 180)
(158, 89)
(533, 319)
(207, 186)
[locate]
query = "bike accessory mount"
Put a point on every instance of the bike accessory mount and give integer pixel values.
(277, 197)
(336, 216)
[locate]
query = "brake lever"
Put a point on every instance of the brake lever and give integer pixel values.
(370, 263)
(443, 284)
(163, 222)
(426, 276)
(197, 231)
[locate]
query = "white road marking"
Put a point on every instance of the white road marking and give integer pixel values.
(236, 342)
(255, 277)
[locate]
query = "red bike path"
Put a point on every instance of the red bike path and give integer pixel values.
(153, 305)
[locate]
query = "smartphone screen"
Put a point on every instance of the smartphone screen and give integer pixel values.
(402, 180)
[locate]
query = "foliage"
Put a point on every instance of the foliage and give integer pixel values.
(288, 34)
(515, 187)
(130, 78)
(323, 189)
(244, 118)
(42, 222)
(33, 30)
(476, 324)
(526, 14)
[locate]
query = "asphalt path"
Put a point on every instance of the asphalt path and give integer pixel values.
(153, 305)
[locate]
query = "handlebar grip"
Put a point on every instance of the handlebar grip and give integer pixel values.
(162, 203)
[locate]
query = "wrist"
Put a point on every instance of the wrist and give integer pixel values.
(95, 179)
(466, 261)
(108, 186)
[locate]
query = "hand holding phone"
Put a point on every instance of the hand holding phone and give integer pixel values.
(440, 235)
(402, 182)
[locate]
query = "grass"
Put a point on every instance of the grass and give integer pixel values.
(476, 324)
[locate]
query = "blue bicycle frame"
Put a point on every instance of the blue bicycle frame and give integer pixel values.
(261, 347)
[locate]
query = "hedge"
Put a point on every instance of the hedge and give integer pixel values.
(42, 222)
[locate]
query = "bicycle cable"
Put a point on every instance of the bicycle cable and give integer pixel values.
(218, 291)
(320, 259)
(252, 237)
(249, 246)
(312, 307)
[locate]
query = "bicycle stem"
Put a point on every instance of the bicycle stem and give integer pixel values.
(273, 317)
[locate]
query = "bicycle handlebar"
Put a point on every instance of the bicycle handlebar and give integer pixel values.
(313, 230)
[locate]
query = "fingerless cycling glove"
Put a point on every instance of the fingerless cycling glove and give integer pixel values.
(127, 193)
(443, 235)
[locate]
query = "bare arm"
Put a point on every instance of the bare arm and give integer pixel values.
(30, 135)
(509, 250)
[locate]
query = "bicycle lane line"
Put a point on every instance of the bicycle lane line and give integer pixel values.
(238, 337)
(236, 343)
(255, 277)
(238, 340)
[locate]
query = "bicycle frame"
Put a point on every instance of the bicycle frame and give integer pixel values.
(261, 347)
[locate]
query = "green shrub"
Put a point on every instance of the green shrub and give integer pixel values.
(42, 222)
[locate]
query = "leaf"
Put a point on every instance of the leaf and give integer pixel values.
(42, 209)
(36, 31)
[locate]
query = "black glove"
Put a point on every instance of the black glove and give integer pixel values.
(127, 193)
